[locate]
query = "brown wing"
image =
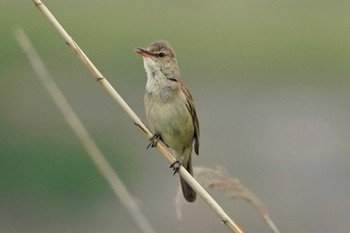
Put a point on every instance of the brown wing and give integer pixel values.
(192, 110)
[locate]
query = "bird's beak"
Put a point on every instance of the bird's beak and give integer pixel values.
(144, 52)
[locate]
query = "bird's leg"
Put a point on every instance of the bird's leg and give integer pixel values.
(176, 166)
(154, 140)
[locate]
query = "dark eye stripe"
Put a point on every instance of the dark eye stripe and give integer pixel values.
(173, 79)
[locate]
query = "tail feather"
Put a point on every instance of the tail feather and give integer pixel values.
(189, 194)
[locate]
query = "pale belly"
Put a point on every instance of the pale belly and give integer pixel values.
(173, 122)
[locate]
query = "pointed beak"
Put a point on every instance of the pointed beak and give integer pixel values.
(144, 52)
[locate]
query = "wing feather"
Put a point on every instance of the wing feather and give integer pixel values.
(191, 108)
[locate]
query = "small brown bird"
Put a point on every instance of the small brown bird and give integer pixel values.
(170, 108)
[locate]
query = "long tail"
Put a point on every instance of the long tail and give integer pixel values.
(189, 194)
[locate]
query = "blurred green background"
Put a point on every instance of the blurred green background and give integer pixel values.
(270, 80)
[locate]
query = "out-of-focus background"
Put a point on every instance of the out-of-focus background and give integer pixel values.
(271, 83)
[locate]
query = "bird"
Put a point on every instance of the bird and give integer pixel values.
(170, 108)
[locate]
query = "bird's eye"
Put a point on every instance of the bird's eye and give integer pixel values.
(161, 54)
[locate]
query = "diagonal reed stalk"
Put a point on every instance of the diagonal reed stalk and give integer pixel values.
(107, 86)
(81, 132)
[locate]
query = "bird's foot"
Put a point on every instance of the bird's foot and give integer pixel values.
(176, 166)
(154, 140)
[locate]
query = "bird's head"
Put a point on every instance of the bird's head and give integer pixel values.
(159, 57)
